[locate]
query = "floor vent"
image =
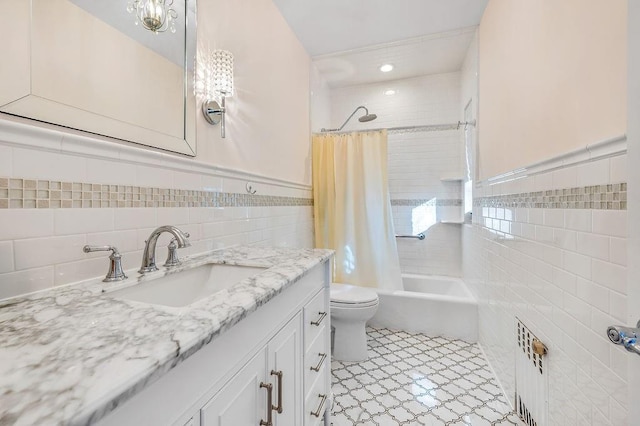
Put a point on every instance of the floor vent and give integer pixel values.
(532, 378)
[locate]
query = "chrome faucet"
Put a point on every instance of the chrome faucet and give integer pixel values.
(149, 255)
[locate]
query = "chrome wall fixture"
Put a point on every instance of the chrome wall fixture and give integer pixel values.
(625, 336)
(420, 236)
(250, 189)
(155, 15)
(411, 129)
(363, 119)
(219, 86)
(466, 124)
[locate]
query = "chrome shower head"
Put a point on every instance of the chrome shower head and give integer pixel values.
(366, 117)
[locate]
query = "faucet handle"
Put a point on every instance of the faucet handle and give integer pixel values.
(115, 272)
(172, 255)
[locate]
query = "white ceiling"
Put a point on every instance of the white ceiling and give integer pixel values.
(330, 26)
(350, 39)
(433, 54)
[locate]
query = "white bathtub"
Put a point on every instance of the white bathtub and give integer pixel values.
(430, 304)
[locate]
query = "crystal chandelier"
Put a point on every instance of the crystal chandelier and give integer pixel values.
(155, 15)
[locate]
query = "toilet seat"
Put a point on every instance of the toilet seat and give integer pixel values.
(353, 305)
(345, 296)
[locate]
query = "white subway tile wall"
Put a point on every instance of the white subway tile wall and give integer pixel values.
(437, 254)
(42, 247)
(562, 272)
(417, 162)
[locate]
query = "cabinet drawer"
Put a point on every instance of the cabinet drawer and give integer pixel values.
(317, 356)
(316, 316)
(317, 400)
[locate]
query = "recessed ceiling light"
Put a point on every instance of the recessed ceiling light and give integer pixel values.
(386, 67)
(389, 92)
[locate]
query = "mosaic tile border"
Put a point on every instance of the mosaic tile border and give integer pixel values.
(18, 193)
(597, 197)
(440, 202)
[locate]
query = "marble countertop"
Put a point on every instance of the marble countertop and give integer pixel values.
(72, 354)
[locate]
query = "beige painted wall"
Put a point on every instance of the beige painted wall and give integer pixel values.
(14, 21)
(268, 130)
(268, 117)
(552, 79)
(89, 61)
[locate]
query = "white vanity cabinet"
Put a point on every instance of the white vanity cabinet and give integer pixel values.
(226, 383)
(317, 358)
(266, 390)
(241, 401)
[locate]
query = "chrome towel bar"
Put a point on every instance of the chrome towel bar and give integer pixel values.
(420, 236)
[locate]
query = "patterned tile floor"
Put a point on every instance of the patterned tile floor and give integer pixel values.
(413, 379)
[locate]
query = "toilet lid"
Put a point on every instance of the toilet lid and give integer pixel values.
(351, 294)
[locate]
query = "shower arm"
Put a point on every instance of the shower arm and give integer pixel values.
(366, 111)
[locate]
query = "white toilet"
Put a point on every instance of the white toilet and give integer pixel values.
(351, 308)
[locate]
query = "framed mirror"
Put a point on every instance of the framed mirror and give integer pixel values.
(93, 66)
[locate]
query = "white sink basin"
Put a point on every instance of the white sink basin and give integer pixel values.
(188, 286)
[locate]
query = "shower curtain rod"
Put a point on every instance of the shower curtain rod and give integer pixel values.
(412, 129)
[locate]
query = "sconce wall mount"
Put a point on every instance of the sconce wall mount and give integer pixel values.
(213, 112)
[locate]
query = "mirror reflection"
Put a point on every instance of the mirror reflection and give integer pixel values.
(95, 66)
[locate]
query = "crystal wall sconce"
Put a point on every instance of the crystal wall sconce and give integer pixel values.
(219, 86)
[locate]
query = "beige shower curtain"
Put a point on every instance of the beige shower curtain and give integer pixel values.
(352, 210)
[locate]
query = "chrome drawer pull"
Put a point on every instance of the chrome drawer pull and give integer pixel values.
(319, 410)
(278, 407)
(322, 358)
(320, 318)
(269, 388)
